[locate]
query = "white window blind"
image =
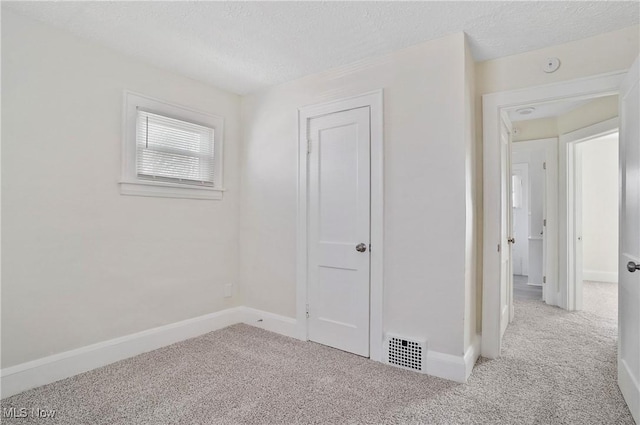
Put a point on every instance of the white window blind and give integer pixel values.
(174, 151)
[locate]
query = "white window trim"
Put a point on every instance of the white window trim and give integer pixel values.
(130, 184)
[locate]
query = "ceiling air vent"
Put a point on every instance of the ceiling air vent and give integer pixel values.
(406, 353)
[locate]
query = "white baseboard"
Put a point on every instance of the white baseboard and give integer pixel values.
(46, 370)
(22, 377)
(630, 389)
(454, 368)
(446, 366)
(471, 356)
(600, 276)
(270, 321)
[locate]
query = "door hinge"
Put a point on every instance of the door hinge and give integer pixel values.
(544, 279)
(544, 165)
(308, 146)
(544, 222)
(307, 311)
(498, 247)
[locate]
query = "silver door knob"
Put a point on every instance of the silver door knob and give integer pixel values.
(361, 247)
(632, 267)
(511, 240)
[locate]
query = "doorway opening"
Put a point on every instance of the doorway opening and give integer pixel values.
(497, 182)
(585, 138)
(534, 192)
(596, 221)
(591, 164)
(587, 132)
(498, 238)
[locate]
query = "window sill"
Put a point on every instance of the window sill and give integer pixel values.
(168, 190)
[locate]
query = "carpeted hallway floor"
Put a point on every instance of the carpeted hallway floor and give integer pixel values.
(557, 368)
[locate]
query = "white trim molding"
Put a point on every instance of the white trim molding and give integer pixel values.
(49, 369)
(471, 356)
(269, 321)
(600, 276)
(46, 370)
(167, 190)
(373, 100)
(629, 387)
(493, 105)
(453, 368)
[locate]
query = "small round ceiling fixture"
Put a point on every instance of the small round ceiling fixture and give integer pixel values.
(526, 110)
(551, 65)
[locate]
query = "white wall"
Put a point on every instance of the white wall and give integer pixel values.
(426, 198)
(595, 111)
(600, 208)
(612, 51)
(541, 128)
(81, 263)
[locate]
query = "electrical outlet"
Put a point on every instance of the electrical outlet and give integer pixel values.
(228, 290)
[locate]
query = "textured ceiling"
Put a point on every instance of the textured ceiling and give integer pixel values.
(245, 46)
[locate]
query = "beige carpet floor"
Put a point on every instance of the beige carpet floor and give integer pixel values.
(557, 368)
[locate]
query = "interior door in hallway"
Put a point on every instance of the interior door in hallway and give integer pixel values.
(629, 240)
(339, 230)
(506, 229)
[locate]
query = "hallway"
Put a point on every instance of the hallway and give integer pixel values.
(523, 291)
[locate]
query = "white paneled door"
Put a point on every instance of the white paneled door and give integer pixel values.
(506, 229)
(629, 267)
(339, 230)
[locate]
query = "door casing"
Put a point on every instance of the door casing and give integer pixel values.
(374, 101)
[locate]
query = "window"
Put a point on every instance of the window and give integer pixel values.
(170, 151)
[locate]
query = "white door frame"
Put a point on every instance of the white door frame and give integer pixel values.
(374, 101)
(570, 180)
(493, 105)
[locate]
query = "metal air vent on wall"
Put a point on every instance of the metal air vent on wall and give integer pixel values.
(406, 353)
